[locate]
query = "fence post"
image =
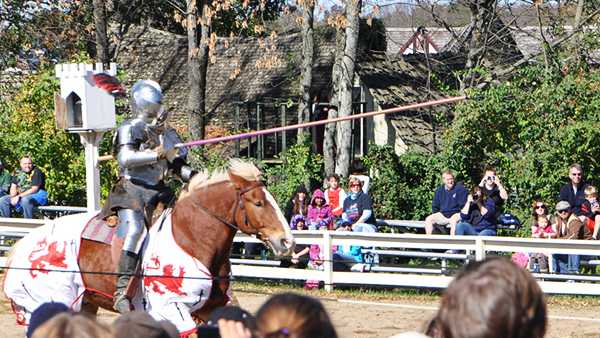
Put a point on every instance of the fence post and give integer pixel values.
(328, 261)
(479, 250)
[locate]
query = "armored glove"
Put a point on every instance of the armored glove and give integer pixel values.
(166, 154)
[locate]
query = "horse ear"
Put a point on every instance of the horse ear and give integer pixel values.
(238, 181)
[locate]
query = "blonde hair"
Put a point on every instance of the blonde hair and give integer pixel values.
(72, 325)
(590, 191)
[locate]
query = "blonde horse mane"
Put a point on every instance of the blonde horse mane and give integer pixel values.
(236, 166)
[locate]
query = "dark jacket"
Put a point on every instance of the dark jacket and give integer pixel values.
(478, 221)
(449, 202)
(574, 199)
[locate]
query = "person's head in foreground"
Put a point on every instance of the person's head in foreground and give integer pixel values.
(44, 313)
(139, 324)
(493, 298)
(293, 315)
(72, 325)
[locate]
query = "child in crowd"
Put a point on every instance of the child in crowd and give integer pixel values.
(300, 256)
(319, 213)
(299, 203)
(590, 210)
(335, 195)
(542, 228)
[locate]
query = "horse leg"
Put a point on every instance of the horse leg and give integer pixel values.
(218, 294)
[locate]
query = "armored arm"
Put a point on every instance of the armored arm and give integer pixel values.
(128, 143)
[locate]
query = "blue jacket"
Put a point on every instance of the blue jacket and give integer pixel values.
(449, 202)
(478, 221)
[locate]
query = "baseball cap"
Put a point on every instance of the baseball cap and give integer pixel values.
(562, 206)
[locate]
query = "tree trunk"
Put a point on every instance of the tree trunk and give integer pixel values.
(197, 68)
(308, 52)
(344, 129)
(102, 54)
(329, 142)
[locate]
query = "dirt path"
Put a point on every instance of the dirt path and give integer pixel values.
(357, 318)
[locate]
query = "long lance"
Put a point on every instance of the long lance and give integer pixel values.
(236, 137)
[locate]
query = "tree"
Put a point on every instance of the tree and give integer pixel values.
(346, 78)
(308, 52)
(102, 54)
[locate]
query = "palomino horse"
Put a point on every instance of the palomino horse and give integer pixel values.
(204, 221)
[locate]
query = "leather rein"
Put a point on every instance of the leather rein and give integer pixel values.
(239, 204)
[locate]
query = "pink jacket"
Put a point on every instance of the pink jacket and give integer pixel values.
(319, 216)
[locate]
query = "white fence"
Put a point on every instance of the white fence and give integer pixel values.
(479, 246)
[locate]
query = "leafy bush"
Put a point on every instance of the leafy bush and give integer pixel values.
(28, 127)
(299, 166)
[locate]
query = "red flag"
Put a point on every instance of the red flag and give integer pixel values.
(109, 84)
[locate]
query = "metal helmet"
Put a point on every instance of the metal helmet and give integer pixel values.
(146, 101)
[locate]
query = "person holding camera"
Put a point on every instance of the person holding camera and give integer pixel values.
(477, 215)
(493, 188)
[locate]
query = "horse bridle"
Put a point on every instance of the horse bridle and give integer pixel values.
(239, 204)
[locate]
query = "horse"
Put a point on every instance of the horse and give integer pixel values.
(204, 221)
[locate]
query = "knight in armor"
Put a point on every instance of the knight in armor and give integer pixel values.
(146, 153)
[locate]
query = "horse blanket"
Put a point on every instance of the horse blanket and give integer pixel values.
(43, 268)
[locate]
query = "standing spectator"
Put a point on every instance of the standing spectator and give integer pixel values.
(335, 195)
(26, 190)
(493, 188)
(590, 210)
(358, 208)
(299, 203)
(319, 213)
(568, 226)
(477, 217)
(449, 198)
(573, 192)
(5, 180)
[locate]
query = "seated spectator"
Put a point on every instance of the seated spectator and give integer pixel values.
(590, 210)
(359, 171)
(568, 226)
(573, 192)
(319, 213)
(43, 313)
(335, 195)
(73, 325)
(5, 180)
(449, 198)
(139, 324)
(541, 228)
(26, 190)
(298, 205)
(348, 257)
(477, 217)
(358, 208)
(295, 316)
(493, 298)
(493, 188)
(300, 256)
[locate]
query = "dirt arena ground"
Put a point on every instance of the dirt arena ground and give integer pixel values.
(383, 318)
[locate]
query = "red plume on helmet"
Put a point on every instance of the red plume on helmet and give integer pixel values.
(109, 83)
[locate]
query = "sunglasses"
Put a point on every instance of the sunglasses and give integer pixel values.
(576, 174)
(540, 207)
(561, 211)
(354, 185)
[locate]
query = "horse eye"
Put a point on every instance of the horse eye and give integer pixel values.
(258, 203)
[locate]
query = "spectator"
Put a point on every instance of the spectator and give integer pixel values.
(5, 180)
(573, 192)
(358, 208)
(231, 321)
(358, 171)
(541, 228)
(295, 316)
(493, 188)
(449, 198)
(319, 212)
(139, 324)
(477, 217)
(335, 195)
(299, 203)
(43, 313)
(568, 226)
(590, 210)
(300, 256)
(72, 325)
(493, 298)
(26, 190)
(538, 208)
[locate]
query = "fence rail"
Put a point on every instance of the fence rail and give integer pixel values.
(394, 277)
